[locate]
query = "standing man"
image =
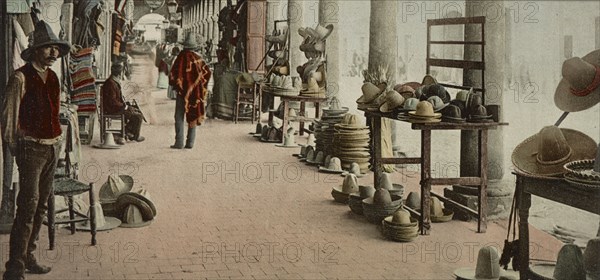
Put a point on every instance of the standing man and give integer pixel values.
(189, 77)
(31, 128)
(113, 103)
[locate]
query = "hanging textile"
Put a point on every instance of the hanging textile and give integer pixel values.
(86, 25)
(118, 23)
(83, 88)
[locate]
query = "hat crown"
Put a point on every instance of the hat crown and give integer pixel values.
(115, 186)
(488, 263)
(578, 72)
(552, 145)
(401, 217)
(320, 157)
(132, 215)
(370, 92)
(310, 155)
(411, 104)
(424, 108)
(385, 182)
(428, 80)
(190, 41)
(109, 139)
(382, 197)
(413, 200)
(452, 111)
(436, 207)
(479, 111)
(335, 164)
(463, 95)
(350, 184)
(334, 104)
(405, 89)
(591, 256)
(569, 264)
(43, 34)
(311, 139)
(474, 100)
(366, 191)
(355, 168)
(436, 101)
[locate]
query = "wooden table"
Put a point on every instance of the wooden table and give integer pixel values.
(555, 189)
(301, 118)
(425, 163)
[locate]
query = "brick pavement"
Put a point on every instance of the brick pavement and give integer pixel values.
(236, 208)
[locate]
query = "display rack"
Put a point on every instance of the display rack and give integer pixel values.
(465, 65)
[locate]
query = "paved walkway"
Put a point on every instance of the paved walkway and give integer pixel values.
(236, 208)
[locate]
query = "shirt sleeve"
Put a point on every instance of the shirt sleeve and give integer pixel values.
(15, 89)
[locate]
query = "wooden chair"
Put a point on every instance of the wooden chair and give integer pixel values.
(247, 95)
(106, 120)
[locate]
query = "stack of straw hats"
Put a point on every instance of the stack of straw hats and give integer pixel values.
(352, 143)
(324, 128)
(400, 226)
(381, 205)
(584, 174)
(355, 199)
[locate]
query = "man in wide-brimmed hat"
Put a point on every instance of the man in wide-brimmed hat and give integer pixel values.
(189, 77)
(113, 103)
(31, 128)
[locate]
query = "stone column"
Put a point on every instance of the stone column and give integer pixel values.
(295, 15)
(328, 14)
(383, 52)
(498, 191)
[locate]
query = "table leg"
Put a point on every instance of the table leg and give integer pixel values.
(425, 224)
(482, 195)
(271, 107)
(285, 119)
(376, 134)
(303, 114)
(317, 109)
(523, 204)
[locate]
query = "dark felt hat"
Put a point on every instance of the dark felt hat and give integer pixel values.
(44, 36)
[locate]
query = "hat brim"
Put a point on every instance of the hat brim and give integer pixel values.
(524, 155)
(446, 217)
(330, 171)
(566, 101)
(294, 145)
(543, 271)
(109, 223)
(136, 225)
(108, 147)
(414, 114)
(146, 209)
(63, 49)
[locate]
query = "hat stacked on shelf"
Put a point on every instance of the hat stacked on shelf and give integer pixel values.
(400, 226)
(381, 205)
(355, 199)
(352, 143)
(324, 128)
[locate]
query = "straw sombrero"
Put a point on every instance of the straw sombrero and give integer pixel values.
(545, 153)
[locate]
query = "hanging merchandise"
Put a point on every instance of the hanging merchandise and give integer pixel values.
(17, 7)
(118, 23)
(83, 88)
(87, 28)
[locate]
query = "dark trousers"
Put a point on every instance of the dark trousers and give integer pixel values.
(180, 124)
(133, 122)
(36, 163)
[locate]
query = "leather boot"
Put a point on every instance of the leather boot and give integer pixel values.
(34, 267)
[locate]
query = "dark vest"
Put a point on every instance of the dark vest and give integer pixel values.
(39, 109)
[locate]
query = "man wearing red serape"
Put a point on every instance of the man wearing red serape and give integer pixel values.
(189, 78)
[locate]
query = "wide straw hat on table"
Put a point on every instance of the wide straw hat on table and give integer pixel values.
(545, 153)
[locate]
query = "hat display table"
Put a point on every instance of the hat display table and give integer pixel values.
(301, 118)
(425, 163)
(555, 189)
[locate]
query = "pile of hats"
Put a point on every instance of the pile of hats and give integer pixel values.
(352, 142)
(400, 226)
(355, 199)
(546, 153)
(315, 158)
(385, 182)
(487, 267)
(134, 208)
(324, 127)
(466, 106)
(584, 173)
(572, 264)
(381, 205)
(313, 72)
(371, 99)
(394, 100)
(439, 214)
(271, 134)
(283, 85)
(310, 141)
(278, 52)
(341, 193)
